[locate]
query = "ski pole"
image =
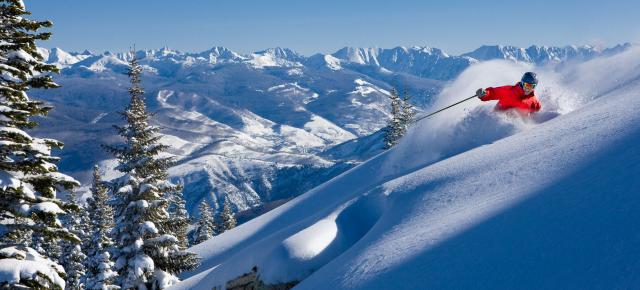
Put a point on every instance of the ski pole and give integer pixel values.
(438, 111)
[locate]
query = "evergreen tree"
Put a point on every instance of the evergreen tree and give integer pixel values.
(85, 229)
(147, 254)
(30, 179)
(402, 115)
(408, 111)
(47, 245)
(73, 258)
(395, 128)
(227, 218)
(22, 235)
(99, 275)
(206, 224)
(178, 224)
(84, 226)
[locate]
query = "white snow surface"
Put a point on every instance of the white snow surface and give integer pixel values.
(27, 264)
(47, 207)
(471, 198)
(8, 180)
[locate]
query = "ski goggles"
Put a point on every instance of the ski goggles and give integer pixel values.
(528, 86)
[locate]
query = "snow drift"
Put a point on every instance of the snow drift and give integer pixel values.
(545, 203)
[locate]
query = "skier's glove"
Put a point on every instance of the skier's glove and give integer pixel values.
(535, 106)
(481, 93)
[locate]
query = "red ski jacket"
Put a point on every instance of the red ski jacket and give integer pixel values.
(512, 97)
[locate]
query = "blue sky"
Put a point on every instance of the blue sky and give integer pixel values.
(325, 26)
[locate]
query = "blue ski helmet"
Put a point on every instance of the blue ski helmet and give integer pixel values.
(530, 78)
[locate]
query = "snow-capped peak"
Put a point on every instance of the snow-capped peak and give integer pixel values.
(534, 54)
(221, 52)
(283, 53)
(358, 55)
(276, 57)
(431, 51)
(62, 58)
(488, 52)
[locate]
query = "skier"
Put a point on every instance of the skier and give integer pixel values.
(519, 96)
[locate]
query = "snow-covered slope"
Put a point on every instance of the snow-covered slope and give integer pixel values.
(550, 206)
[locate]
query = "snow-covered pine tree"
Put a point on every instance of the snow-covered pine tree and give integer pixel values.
(72, 258)
(84, 225)
(29, 179)
(99, 274)
(206, 224)
(178, 223)
(408, 112)
(85, 229)
(227, 218)
(394, 129)
(23, 235)
(147, 254)
(47, 245)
